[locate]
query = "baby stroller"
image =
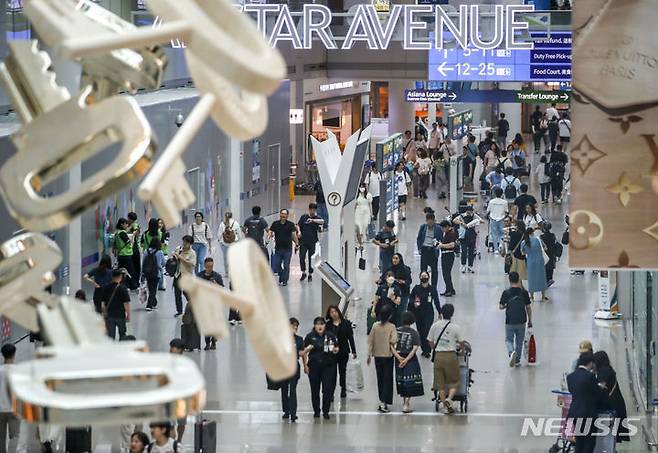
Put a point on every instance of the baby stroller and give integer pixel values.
(465, 381)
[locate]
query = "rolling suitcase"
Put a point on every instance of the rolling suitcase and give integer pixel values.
(78, 440)
(205, 436)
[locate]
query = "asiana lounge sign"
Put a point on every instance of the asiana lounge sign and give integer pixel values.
(464, 25)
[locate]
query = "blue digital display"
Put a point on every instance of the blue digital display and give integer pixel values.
(549, 61)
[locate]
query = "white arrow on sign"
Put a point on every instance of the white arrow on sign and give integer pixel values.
(442, 69)
(452, 96)
(564, 97)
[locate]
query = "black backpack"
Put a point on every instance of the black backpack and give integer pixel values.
(171, 266)
(253, 230)
(150, 267)
(547, 170)
(510, 189)
(557, 170)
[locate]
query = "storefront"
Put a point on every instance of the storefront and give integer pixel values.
(638, 302)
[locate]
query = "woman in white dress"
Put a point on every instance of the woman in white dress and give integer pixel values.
(363, 213)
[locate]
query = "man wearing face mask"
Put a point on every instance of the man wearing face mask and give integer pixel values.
(421, 299)
(309, 225)
(447, 247)
(429, 237)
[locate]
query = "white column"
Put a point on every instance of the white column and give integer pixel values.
(400, 113)
(512, 111)
(236, 166)
(431, 113)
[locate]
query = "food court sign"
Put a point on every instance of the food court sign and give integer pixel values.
(312, 25)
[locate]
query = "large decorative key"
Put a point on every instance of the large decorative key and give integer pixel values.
(44, 153)
(61, 22)
(26, 265)
(259, 301)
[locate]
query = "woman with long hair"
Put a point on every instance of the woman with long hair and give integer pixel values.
(402, 274)
(518, 263)
(423, 167)
(342, 328)
(362, 213)
(100, 277)
(152, 263)
(153, 231)
(532, 249)
(381, 344)
(165, 249)
(408, 376)
(139, 442)
(607, 379)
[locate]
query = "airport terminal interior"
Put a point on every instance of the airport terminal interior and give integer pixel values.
(233, 146)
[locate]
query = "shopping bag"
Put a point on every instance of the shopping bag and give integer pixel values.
(143, 293)
(354, 378)
(529, 346)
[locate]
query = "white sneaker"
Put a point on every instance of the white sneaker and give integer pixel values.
(512, 359)
(463, 269)
(406, 409)
(471, 271)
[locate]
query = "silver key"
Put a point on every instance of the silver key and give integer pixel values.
(26, 265)
(45, 153)
(29, 82)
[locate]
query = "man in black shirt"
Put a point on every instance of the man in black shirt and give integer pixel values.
(284, 233)
(503, 128)
(116, 305)
(447, 247)
(537, 133)
(386, 240)
(516, 303)
(322, 203)
(208, 273)
(522, 201)
(254, 228)
(321, 347)
(309, 225)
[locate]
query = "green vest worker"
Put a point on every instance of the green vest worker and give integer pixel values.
(124, 251)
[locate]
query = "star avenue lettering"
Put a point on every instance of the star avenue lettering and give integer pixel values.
(412, 22)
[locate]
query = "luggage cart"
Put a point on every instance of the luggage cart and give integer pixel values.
(465, 382)
(562, 444)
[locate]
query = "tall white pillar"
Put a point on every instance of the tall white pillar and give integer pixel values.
(236, 166)
(400, 113)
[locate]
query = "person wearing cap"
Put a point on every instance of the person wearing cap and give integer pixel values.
(447, 246)
(583, 346)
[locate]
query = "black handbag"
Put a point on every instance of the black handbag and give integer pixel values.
(362, 262)
(272, 384)
(565, 237)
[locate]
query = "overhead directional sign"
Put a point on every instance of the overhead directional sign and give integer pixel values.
(489, 96)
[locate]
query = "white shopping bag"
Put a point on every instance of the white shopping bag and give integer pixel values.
(354, 378)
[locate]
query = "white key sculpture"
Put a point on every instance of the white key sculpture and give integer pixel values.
(81, 375)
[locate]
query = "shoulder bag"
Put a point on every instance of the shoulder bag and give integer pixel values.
(439, 338)
(510, 256)
(105, 305)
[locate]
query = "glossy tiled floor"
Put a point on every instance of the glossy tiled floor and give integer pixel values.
(249, 417)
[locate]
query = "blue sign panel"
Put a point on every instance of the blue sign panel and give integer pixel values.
(549, 61)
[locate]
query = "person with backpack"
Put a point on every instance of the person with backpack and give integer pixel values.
(503, 129)
(468, 221)
(152, 263)
(162, 441)
(522, 202)
(471, 153)
(229, 233)
(553, 249)
(255, 227)
(100, 276)
(553, 131)
(558, 169)
(544, 178)
(510, 185)
(518, 157)
(516, 303)
(565, 130)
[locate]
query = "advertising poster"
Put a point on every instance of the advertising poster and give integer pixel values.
(613, 146)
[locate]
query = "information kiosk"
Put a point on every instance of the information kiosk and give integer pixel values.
(335, 289)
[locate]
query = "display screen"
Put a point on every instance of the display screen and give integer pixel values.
(458, 124)
(550, 61)
(362, 151)
(328, 271)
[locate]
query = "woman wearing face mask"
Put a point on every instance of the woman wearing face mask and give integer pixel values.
(321, 348)
(421, 299)
(362, 214)
(402, 274)
(388, 294)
